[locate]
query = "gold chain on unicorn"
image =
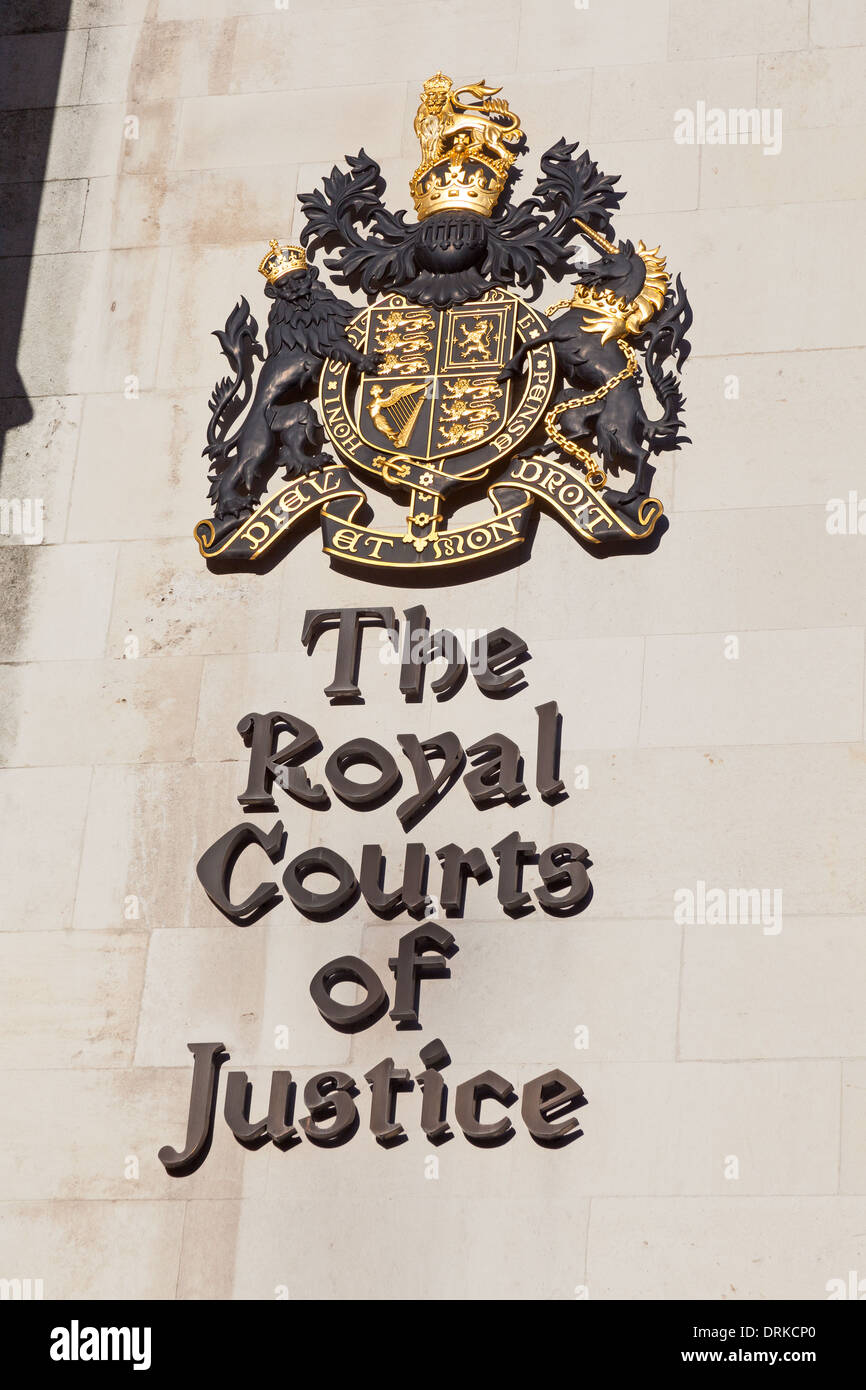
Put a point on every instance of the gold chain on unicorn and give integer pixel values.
(613, 317)
(595, 474)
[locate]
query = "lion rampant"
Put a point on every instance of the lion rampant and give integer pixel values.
(306, 325)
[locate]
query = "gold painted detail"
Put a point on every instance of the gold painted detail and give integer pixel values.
(461, 433)
(467, 419)
(398, 333)
(413, 320)
(557, 486)
(467, 409)
(476, 339)
(395, 415)
(395, 342)
(281, 259)
(465, 155)
(393, 364)
(595, 474)
(481, 388)
(613, 316)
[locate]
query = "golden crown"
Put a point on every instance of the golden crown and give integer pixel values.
(465, 157)
(281, 259)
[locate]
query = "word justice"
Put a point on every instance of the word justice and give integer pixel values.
(547, 1106)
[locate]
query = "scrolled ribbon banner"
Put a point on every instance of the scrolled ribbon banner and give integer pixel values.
(524, 482)
(584, 510)
(278, 515)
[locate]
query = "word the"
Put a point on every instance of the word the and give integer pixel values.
(493, 656)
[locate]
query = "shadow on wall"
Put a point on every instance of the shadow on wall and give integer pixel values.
(32, 42)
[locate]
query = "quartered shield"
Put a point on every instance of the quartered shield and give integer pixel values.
(434, 399)
(435, 393)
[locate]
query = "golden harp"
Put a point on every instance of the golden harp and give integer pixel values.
(394, 415)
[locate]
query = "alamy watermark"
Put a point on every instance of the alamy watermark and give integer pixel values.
(713, 125)
(853, 1287)
(451, 646)
(77, 1343)
(711, 907)
(23, 517)
(846, 516)
(21, 1290)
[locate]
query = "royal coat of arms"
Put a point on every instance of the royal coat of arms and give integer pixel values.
(449, 380)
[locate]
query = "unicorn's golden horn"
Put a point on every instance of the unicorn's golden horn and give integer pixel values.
(596, 236)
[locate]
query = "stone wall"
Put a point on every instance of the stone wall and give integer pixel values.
(713, 690)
